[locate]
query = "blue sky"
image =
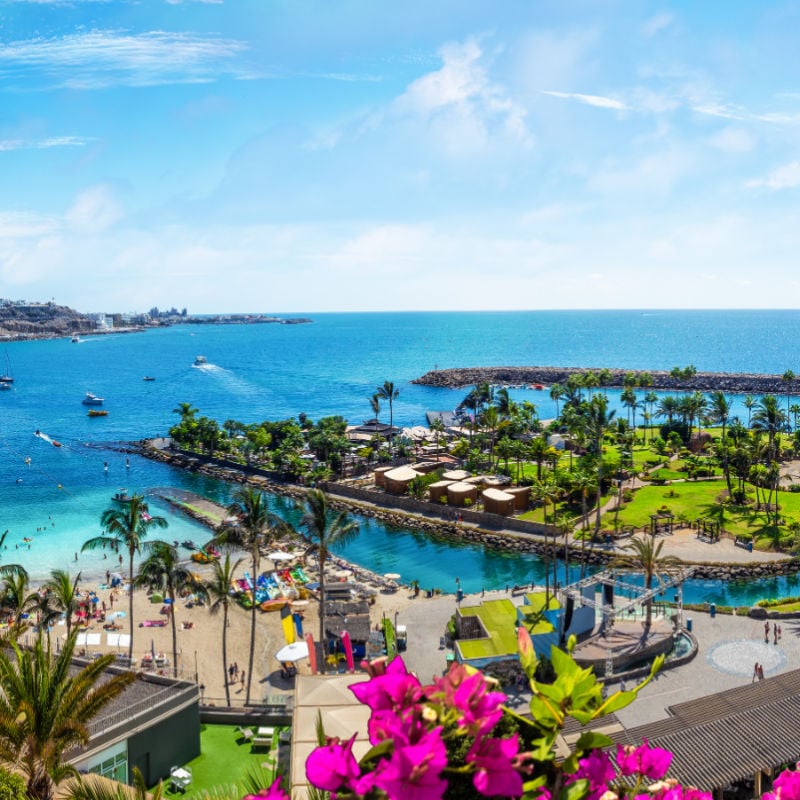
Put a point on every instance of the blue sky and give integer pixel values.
(251, 155)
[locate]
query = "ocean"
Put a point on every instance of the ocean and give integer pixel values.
(54, 496)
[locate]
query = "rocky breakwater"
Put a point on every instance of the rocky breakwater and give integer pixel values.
(730, 382)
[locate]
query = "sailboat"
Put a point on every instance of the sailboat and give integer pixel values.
(7, 378)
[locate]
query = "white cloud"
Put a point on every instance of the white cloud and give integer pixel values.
(590, 100)
(94, 211)
(657, 23)
(99, 59)
(784, 177)
(43, 144)
(733, 140)
(15, 225)
(462, 105)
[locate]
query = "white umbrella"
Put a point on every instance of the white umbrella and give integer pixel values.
(392, 576)
(279, 555)
(292, 652)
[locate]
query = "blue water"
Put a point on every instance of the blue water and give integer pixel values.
(331, 366)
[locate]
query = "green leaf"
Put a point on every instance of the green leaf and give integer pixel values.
(575, 790)
(614, 703)
(591, 740)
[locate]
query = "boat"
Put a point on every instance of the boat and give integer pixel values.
(6, 379)
(55, 443)
(5, 386)
(148, 378)
(188, 544)
(92, 400)
(200, 361)
(121, 496)
(75, 338)
(96, 412)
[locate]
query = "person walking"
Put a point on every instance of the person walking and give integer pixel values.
(755, 673)
(241, 678)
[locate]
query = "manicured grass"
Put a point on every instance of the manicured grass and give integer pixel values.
(498, 617)
(225, 760)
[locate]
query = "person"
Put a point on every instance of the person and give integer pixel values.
(241, 678)
(779, 632)
(235, 671)
(755, 673)
(231, 677)
(761, 672)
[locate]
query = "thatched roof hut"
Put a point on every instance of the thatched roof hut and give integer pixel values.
(522, 497)
(455, 475)
(458, 493)
(397, 479)
(438, 490)
(378, 474)
(496, 501)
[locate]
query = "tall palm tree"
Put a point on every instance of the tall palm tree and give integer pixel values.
(769, 418)
(46, 706)
(254, 527)
(388, 393)
(556, 393)
(597, 420)
(749, 403)
(788, 379)
(325, 532)
(17, 598)
(218, 590)
(720, 409)
(62, 589)
(125, 529)
(164, 572)
(645, 556)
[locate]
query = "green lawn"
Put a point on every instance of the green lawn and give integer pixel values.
(225, 760)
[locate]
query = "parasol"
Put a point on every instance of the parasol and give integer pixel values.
(392, 576)
(279, 555)
(292, 652)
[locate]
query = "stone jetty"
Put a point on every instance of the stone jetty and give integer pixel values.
(729, 382)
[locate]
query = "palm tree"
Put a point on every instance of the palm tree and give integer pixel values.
(45, 707)
(749, 403)
(93, 787)
(668, 407)
(61, 589)
(125, 529)
(163, 571)
(324, 534)
(254, 527)
(556, 393)
(218, 590)
(375, 405)
(769, 418)
(388, 393)
(720, 409)
(17, 598)
(645, 556)
(788, 378)
(596, 421)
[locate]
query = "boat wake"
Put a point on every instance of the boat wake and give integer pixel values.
(229, 378)
(47, 439)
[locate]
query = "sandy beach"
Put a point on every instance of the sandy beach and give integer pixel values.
(199, 634)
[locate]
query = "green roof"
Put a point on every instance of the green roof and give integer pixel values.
(498, 618)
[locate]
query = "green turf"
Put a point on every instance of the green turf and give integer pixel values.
(225, 760)
(498, 617)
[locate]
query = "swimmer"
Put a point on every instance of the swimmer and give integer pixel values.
(19, 480)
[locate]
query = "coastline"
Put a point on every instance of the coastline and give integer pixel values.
(544, 377)
(510, 541)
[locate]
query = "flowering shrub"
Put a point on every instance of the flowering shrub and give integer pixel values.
(455, 738)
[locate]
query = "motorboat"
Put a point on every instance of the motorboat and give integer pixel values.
(96, 412)
(75, 338)
(200, 361)
(121, 496)
(6, 379)
(148, 378)
(92, 400)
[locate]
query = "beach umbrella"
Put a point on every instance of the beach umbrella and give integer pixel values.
(392, 576)
(279, 555)
(293, 652)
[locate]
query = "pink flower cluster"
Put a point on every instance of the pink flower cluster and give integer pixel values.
(408, 730)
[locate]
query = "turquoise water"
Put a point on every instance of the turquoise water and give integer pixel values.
(331, 366)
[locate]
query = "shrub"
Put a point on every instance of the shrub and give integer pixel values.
(12, 786)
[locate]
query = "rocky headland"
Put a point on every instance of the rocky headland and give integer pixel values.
(730, 382)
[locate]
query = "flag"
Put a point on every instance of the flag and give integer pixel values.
(298, 624)
(287, 622)
(312, 653)
(348, 650)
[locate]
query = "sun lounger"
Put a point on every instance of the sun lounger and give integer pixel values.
(153, 623)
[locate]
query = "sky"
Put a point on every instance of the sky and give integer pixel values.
(359, 155)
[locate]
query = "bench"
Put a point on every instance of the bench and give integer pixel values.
(741, 541)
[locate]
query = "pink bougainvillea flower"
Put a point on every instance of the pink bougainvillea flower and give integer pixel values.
(273, 792)
(651, 762)
(684, 793)
(598, 770)
(414, 772)
(393, 688)
(466, 691)
(786, 786)
(403, 727)
(333, 766)
(494, 760)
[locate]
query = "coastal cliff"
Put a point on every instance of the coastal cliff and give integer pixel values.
(41, 321)
(730, 382)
